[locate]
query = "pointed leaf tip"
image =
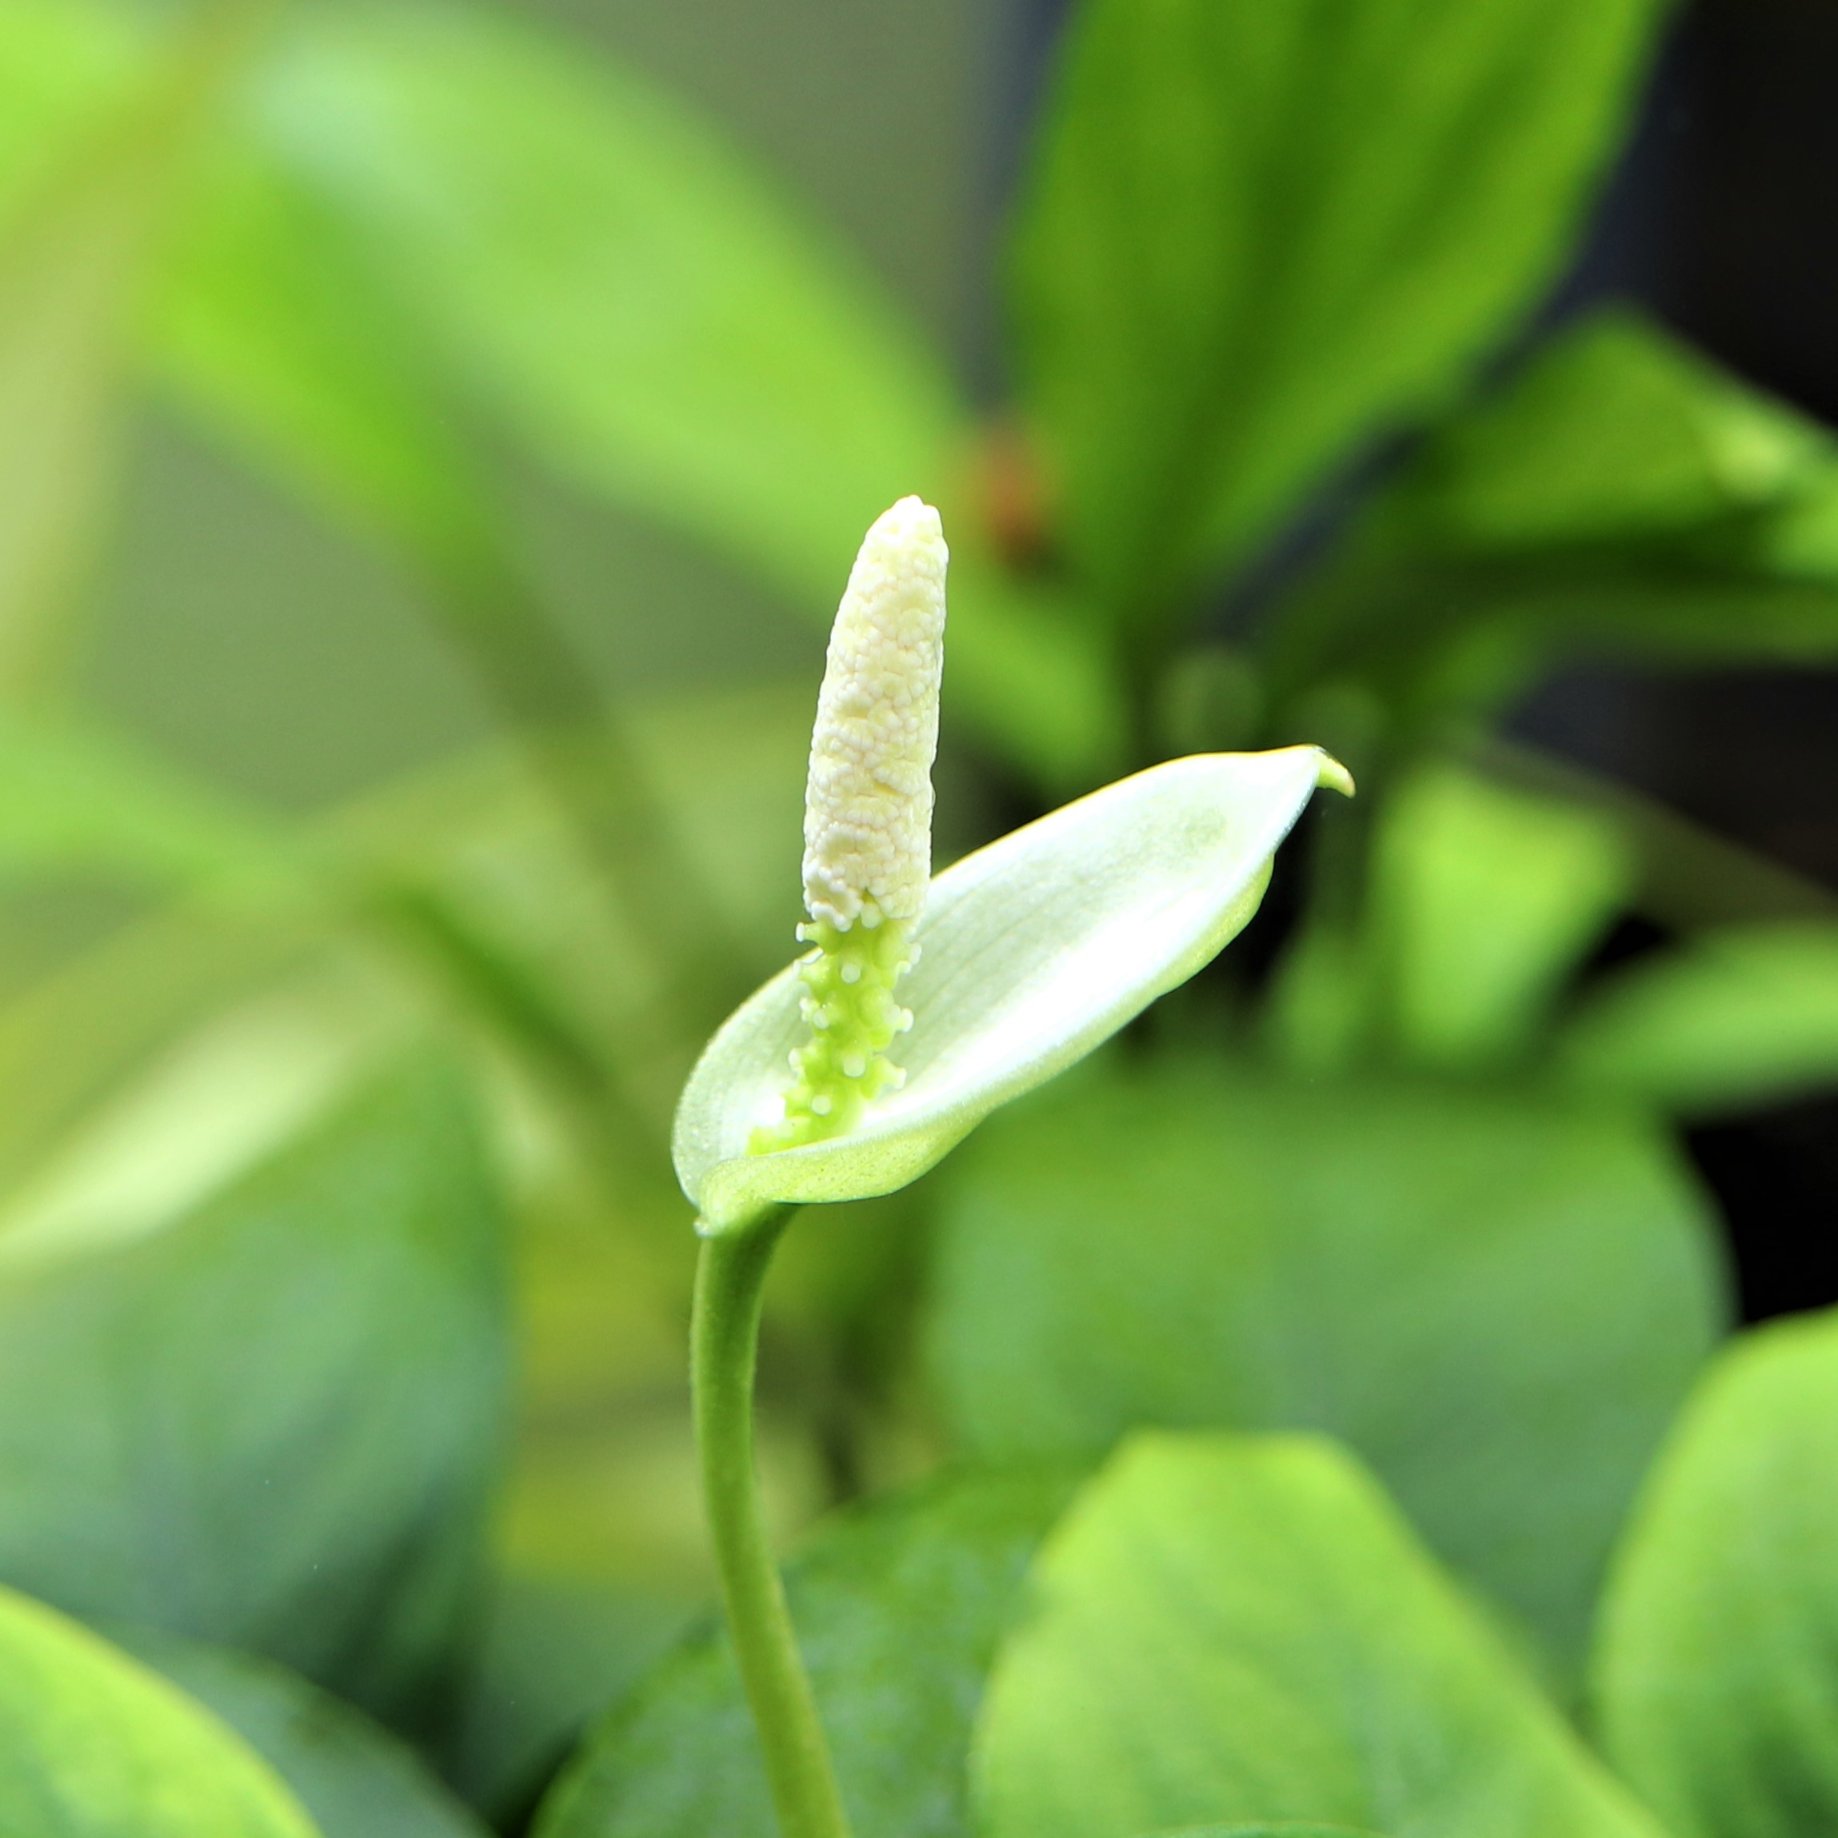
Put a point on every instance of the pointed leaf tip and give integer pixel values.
(1333, 776)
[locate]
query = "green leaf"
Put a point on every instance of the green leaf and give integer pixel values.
(1031, 952)
(355, 1780)
(278, 327)
(93, 1745)
(255, 1398)
(1743, 1016)
(1257, 235)
(629, 292)
(82, 802)
(68, 63)
(898, 1611)
(551, 1656)
(1497, 1303)
(438, 216)
(1716, 1679)
(1264, 1831)
(1623, 496)
(76, 258)
(1481, 902)
(1239, 1629)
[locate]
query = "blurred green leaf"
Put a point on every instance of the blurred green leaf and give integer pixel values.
(1224, 1627)
(552, 1655)
(279, 326)
(442, 212)
(1284, 1830)
(625, 287)
(85, 803)
(77, 256)
(428, 222)
(1497, 1303)
(1743, 1016)
(93, 1745)
(67, 64)
(255, 1397)
(1622, 496)
(354, 1779)
(1479, 903)
(1716, 1680)
(898, 1612)
(1257, 235)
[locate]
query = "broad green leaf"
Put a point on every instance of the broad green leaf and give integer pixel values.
(76, 258)
(354, 1779)
(256, 1400)
(1621, 497)
(1223, 1628)
(1483, 900)
(1497, 1303)
(93, 1745)
(898, 1610)
(1716, 1677)
(1031, 952)
(1480, 903)
(1257, 235)
(1743, 1016)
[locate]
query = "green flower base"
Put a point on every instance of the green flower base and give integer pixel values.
(849, 978)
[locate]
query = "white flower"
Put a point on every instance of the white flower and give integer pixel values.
(1030, 953)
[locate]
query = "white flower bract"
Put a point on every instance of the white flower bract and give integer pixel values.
(868, 801)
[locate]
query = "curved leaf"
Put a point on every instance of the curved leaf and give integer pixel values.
(1498, 1303)
(263, 1409)
(624, 287)
(352, 1777)
(1622, 497)
(1743, 1016)
(76, 260)
(899, 1609)
(1717, 1673)
(1259, 234)
(568, 248)
(1032, 951)
(93, 1745)
(1227, 1626)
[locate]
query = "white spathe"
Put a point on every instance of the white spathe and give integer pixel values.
(1033, 951)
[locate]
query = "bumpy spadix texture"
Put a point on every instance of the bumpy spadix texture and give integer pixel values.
(868, 801)
(867, 824)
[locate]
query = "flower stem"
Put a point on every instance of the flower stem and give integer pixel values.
(730, 1283)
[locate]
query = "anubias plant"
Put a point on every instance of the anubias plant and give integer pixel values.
(1024, 957)
(1307, 1415)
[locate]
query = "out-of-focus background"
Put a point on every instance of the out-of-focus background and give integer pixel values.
(431, 443)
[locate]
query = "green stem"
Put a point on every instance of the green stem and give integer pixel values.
(730, 1282)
